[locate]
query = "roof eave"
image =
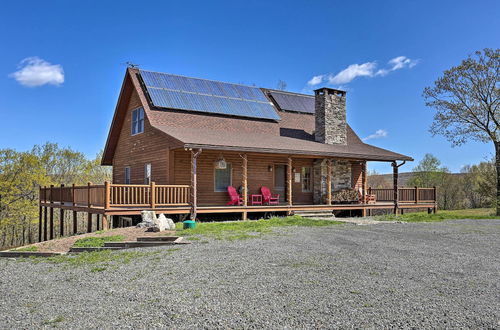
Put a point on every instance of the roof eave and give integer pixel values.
(299, 152)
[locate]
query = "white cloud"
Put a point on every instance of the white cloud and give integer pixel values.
(352, 71)
(380, 133)
(401, 62)
(316, 80)
(34, 71)
(368, 69)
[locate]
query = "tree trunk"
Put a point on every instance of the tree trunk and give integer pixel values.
(497, 168)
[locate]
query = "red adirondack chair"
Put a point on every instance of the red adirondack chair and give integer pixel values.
(269, 198)
(235, 197)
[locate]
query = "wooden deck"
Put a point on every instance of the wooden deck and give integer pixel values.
(116, 199)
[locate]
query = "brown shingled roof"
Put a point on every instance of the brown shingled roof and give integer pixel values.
(251, 142)
(293, 134)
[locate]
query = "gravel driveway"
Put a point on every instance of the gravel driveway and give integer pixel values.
(423, 275)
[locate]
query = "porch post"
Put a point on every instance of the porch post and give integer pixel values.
(329, 182)
(194, 190)
(363, 186)
(289, 181)
(40, 224)
(395, 168)
(244, 183)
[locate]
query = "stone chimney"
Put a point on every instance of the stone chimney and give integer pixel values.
(330, 116)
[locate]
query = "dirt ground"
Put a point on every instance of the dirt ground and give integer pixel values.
(63, 244)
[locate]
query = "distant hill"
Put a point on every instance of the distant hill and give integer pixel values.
(385, 180)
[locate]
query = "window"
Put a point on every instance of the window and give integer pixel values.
(222, 178)
(127, 175)
(147, 173)
(137, 121)
(306, 179)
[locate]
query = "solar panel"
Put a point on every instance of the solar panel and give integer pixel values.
(193, 94)
(293, 102)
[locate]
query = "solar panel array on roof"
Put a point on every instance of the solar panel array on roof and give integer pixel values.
(293, 102)
(193, 94)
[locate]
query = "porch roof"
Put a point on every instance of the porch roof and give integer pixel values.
(267, 143)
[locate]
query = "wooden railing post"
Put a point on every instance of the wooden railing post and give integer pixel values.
(435, 199)
(61, 199)
(107, 195)
(152, 194)
(416, 195)
(73, 194)
(61, 211)
(89, 204)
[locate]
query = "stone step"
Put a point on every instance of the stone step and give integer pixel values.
(314, 214)
(91, 249)
(27, 254)
(135, 244)
(159, 239)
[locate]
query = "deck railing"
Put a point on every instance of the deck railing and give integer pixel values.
(118, 195)
(405, 195)
(152, 195)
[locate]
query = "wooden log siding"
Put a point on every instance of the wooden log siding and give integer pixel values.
(258, 174)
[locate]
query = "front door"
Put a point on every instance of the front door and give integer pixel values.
(280, 181)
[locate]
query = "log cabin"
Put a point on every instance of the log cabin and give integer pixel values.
(177, 143)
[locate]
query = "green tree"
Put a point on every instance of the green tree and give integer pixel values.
(467, 104)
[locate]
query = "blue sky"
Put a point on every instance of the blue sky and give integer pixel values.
(79, 49)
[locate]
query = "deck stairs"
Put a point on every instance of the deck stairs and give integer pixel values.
(315, 214)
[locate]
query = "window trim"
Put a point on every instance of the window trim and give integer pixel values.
(230, 178)
(147, 180)
(310, 179)
(139, 121)
(127, 179)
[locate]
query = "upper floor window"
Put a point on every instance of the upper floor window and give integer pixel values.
(127, 175)
(137, 121)
(147, 173)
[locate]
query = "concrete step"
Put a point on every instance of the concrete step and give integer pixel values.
(315, 214)
(91, 249)
(27, 254)
(159, 238)
(135, 244)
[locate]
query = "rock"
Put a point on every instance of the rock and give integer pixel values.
(148, 219)
(171, 224)
(161, 223)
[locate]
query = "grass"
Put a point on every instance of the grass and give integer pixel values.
(97, 241)
(27, 249)
(53, 322)
(236, 230)
(441, 215)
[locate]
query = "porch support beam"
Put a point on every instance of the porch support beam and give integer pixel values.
(329, 182)
(289, 182)
(395, 175)
(194, 188)
(363, 187)
(244, 183)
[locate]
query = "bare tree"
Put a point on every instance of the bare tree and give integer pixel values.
(467, 103)
(281, 85)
